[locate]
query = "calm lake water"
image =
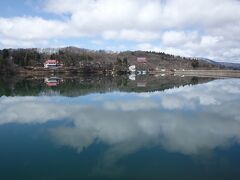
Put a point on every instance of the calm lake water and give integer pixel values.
(144, 127)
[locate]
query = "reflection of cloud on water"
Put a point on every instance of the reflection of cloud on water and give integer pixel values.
(211, 93)
(135, 105)
(189, 120)
(35, 109)
(176, 132)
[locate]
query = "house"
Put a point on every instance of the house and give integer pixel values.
(142, 60)
(51, 63)
(132, 68)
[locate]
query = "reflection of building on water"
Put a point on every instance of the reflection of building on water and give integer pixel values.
(53, 81)
(132, 77)
(141, 84)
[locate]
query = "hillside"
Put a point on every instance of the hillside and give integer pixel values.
(12, 59)
(226, 65)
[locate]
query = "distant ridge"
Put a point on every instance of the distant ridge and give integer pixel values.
(234, 66)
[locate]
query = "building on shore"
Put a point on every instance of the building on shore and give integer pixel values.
(52, 63)
(142, 60)
(132, 68)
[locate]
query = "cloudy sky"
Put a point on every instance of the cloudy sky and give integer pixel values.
(203, 28)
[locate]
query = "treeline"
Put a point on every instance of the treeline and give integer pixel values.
(89, 61)
(71, 59)
(31, 57)
(12, 59)
(6, 63)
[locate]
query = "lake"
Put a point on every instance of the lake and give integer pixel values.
(101, 127)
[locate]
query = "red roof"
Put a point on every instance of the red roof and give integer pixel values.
(141, 59)
(51, 61)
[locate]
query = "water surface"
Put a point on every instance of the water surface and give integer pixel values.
(120, 128)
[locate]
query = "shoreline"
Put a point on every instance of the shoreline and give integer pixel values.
(39, 71)
(209, 73)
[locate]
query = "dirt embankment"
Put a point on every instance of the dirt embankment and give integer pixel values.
(209, 73)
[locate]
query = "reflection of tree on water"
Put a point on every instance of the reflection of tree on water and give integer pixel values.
(194, 80)
(81, 85)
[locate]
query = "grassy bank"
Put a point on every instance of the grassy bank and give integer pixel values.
(209, 73)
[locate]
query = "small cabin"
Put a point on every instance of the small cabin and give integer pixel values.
(142, 60)
(132, 68)
(51, 63)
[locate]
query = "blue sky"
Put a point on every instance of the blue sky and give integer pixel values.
(193, 28)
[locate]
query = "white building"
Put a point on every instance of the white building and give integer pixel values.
(132, 68)
(51, 63)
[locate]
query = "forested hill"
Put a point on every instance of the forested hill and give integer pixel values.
(10, 59)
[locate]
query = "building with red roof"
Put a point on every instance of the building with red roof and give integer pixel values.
(142, 60)
(51, 63)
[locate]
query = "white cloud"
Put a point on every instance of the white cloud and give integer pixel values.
(209, 41)
(30, 28)
(178, 38)
(196, 28)
(131, 35)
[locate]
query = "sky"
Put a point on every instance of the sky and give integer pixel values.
(192, 28)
